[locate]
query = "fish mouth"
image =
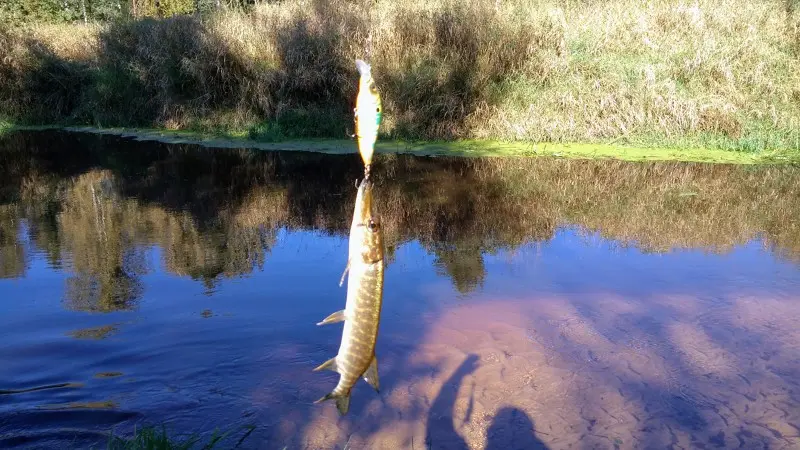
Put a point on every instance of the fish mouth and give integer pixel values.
(366, 184)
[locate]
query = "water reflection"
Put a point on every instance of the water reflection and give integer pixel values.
(524, 305)
(98, 203)
(12, 254)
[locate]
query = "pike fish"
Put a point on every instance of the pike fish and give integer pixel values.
(368, 114)
(361, 316)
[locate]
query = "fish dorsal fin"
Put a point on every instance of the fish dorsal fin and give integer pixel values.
(371, 375)
(338, 316)
(329, 365)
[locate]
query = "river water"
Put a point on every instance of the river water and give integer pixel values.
(529, 303)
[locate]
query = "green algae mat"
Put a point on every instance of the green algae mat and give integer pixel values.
(466, 148)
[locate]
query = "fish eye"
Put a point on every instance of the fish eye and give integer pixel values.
(373, 225)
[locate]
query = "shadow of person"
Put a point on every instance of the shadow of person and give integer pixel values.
(440, 432)
(512, 429)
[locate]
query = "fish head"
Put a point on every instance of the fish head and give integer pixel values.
(368, 224)
(363, 210)
(366, 82)
(373, 241)
(364, 69)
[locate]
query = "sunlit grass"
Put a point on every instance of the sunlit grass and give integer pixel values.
(665, 73)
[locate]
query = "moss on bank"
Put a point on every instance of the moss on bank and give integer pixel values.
(465, 148)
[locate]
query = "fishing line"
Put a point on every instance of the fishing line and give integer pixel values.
(370, 21)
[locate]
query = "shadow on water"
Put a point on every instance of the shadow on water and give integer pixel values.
(512, 429)
(713, 369)
(602, 346)
(439, 430)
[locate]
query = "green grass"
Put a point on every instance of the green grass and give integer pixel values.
(158, 439)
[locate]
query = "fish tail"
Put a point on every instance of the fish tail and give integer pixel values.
(342, 401)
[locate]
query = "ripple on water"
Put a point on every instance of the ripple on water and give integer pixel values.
(80, 424)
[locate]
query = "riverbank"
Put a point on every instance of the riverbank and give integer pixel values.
(711, 75)
(463, 148)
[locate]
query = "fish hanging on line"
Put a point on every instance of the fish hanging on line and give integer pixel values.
(368, 114)
(361, 316)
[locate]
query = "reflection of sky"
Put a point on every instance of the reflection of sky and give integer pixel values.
(22, 299)
(574, 263)
(299, 280)
(173, 358)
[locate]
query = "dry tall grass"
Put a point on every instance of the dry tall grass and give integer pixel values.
(723, 73)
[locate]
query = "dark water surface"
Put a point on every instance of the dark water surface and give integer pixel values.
(528, 303)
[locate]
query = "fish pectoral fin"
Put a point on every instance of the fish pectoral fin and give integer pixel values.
(338, 316)
(371, 375)
(344, 274)
(329, 365)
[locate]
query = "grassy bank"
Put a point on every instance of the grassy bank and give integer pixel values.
(663, 73)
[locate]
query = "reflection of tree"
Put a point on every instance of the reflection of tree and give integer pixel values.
(12, 253)
(228, 252)
(105, 235)
(98, 232)
(215, 213)
(105, 291)
(463, 265)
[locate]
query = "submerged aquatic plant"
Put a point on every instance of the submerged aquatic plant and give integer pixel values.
(151, 438)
